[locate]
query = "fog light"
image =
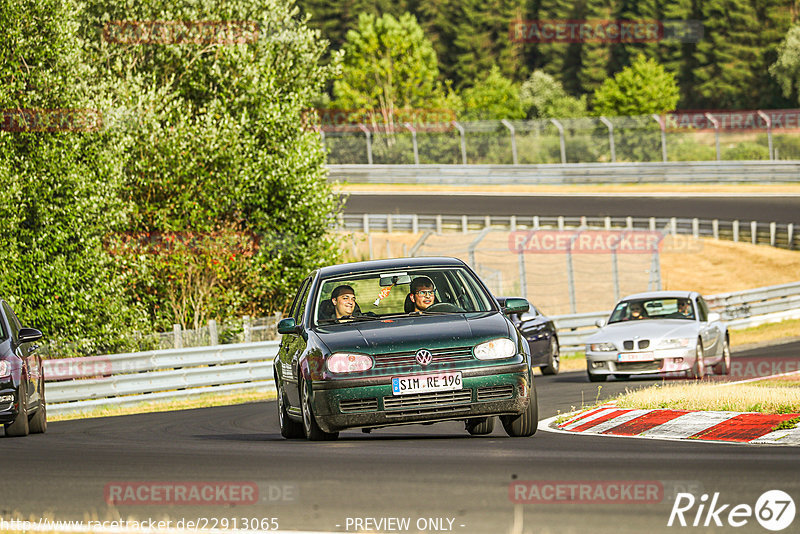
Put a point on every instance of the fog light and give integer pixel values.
(677, 360)
(597, 365)
(6, 398)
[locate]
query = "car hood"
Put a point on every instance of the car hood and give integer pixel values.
(411, 333)
(653, 329)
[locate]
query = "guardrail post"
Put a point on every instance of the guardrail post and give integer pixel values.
(610, 139)
(715, 122)
(663, 136)
(487, 221)
(560, 222)
(673, 226)
(769, 134)
(513, 140)
(464, 224)
(388, 223)
(754, 232)
(535, 222)
(736, 231)
(715, 228)
(368, 135)
(415, 223)
(438, 224)
(652, 224)
(463, 136)
(247, 329)
(696, 228)
(607, 223)
(629, 223)
(413, 141)
(177, 337)
(473, 245)
(790, 232)
(212, 332)
(772, 230)
(512, 223)
(561, 140)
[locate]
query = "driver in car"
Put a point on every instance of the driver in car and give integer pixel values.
(423, 293)
(344, 301)
(637, 311)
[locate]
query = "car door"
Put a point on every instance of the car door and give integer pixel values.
(534, 329)
(293, 345)
(709, 332)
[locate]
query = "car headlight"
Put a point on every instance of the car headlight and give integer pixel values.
(346, 362)
(602, 347)
(675, 343)
(495, 349)
(5, 368)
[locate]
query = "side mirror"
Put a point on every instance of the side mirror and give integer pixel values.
(516, 305)
(714, 317)
(599, 323)
(287, 326)
(27, 335)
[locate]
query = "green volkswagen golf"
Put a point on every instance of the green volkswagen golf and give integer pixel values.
(402, 341)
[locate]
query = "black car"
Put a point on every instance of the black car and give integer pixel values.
(403, 341)
(542, 336)
(22, 404)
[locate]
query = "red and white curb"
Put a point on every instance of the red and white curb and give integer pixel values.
(734, 427)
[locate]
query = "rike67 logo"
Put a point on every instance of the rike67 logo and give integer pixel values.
(774, 510)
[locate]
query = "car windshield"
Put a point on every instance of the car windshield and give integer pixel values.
(373, 295)
(655, 308)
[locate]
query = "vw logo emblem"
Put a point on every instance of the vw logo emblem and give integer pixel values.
(424, 357)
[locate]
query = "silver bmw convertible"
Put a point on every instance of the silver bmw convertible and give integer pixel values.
(670, 333)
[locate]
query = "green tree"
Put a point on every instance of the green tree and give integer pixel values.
(389, 66)
(495, 97)
(643, 88)
(786, 70)
(542, 96)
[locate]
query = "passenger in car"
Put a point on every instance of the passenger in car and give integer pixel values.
(685, 308)
(343, 299)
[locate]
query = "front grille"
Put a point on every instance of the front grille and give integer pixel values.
(427, 400)
(628, 345)
(406, 358)
(644, 343)
(495, 393)
(358, 405)
(638, 366)
(436, 411)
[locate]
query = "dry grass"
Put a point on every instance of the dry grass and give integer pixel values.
(767, 396)
(766, 333)
(201, 401)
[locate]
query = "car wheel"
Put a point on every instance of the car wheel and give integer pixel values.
(724, 367)
(480, 426)
(596, 378)
(38, 423)
(310, 427)
(553, 360)
(20, 425)
(699, 368)
(525, 424)
(290, 429)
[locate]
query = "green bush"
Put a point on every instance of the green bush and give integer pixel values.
(746, 151)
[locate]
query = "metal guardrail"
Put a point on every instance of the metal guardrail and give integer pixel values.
(571, 173)
(741, 309)
(783, 235)
(78, 384)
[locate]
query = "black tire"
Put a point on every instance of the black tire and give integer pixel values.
(553, 360)
(480, 426)
(724, 367)
(698, 370)
(596, 377)
(38, 422)
(290, 429)
(20, 425)
(310, 427)
(525, 424)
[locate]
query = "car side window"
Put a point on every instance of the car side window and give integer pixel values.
(296, 301)
(702, 309)
(301, 304)
(13, 322)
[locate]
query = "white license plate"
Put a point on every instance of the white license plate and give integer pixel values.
(426, 383)
(635, 357)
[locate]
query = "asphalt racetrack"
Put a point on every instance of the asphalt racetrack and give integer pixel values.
(784, 208)
(436, 477)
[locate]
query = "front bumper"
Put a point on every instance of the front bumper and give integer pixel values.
(8, 405)
(665, 361)
(370, 403)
